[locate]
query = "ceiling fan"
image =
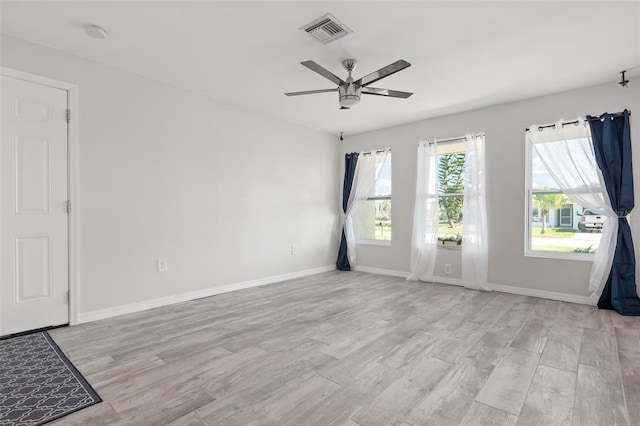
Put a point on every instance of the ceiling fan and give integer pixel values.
(349, 91)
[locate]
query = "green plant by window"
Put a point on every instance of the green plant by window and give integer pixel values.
(451, 238)
(589, 249)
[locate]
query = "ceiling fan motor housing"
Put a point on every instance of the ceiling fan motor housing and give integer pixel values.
(349, 95)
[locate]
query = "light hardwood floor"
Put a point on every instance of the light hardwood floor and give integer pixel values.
(360, 349)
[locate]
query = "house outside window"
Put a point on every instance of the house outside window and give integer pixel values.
(557, 226)
(372, 222)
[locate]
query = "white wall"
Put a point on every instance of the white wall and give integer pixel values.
(504, 127)
(221, 192)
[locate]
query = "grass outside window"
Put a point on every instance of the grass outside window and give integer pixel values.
(553, 232)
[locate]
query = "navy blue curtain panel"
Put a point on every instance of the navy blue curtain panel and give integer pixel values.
(612, 144)
(350, 162)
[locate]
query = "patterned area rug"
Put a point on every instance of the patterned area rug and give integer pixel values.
(38, 383)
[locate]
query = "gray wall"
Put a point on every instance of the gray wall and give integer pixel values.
(504, 127)
(221, 192)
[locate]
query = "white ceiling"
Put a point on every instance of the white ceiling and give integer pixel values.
(464, 55)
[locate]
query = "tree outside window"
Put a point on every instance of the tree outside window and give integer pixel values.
(450, 173)
(544, 202)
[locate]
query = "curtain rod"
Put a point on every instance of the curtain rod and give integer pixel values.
(450, 140)
(377, 152)
(593, 118)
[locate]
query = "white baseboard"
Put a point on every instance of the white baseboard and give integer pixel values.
(178, 298)
(521, 291)
(447, 280)
(379, 271)
(183, 297)
(543, 294)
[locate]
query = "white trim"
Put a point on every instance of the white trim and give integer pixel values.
(581, 257)
(370, 242)
(73, 165)
(522, 291)
(72, 177)
(456, 247)
(543, 294)
(379, 271)
(35, 78)
(183, 297)
(448, 281)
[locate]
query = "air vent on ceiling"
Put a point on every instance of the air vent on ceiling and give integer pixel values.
(326, 29)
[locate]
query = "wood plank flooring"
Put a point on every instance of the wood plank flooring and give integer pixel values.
(360, 349)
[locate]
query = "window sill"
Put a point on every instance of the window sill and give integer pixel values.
(374, 243)
(452, 247)
(584, 257)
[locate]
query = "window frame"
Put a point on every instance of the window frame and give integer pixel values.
(528, 216)
(373, 241)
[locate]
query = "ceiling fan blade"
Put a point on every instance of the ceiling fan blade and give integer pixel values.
(385, 92)
(343, 107)
(310, 92)
(323, 72)
(383, 72)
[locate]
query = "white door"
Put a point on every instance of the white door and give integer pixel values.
(34, 280)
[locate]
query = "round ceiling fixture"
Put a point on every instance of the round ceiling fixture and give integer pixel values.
(95, 31)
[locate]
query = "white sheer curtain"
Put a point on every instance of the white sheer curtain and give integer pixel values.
(364, 180)
(567, 153)
(474, 215)
(424, 240)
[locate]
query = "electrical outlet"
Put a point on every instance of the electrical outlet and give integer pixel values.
(163, 265)
(294, 249)
(447, 268)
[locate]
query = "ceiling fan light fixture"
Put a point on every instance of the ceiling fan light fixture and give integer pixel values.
(349, 95)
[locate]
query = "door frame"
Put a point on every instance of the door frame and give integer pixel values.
(569, 216)
(72, 179)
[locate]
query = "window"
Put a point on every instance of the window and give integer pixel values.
(372, 222)
(450, 162)
(557, 226)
